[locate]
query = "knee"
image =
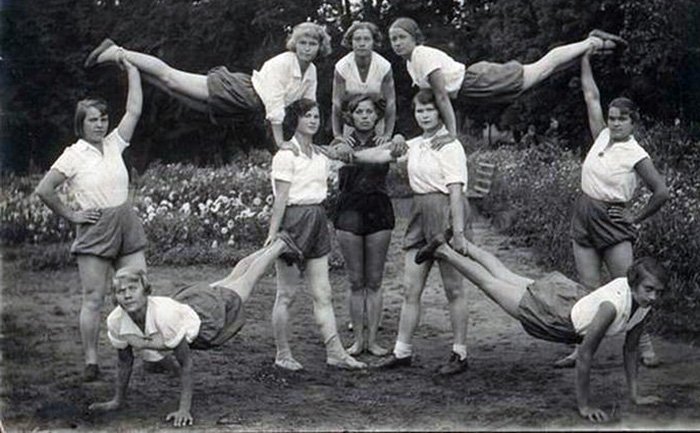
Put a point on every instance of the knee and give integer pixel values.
(411, 294)
(454, 294)
(356, 285)
(93, 302)
(374, 286)
(284, 300)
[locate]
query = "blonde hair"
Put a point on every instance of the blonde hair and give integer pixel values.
(312, 30)
(131, 273)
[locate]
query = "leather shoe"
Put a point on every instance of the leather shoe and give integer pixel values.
(94, 54)
(454, 365)
(392, 361)
(91, 373)
(426, 252)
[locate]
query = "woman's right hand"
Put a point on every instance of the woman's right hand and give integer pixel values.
(87, 216)
(593, 414)
(399, 146)
(105, 406)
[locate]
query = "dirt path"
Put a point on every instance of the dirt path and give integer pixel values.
(509, 384)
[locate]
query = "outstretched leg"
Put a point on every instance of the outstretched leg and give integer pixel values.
(495, 266)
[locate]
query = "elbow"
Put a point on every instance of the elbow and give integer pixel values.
(663, 194)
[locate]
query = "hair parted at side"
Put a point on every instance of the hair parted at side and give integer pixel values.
(351, 104)
(311, 30)
(293, 112)
(424, 96)
(626, 106)
(81, 109)
(410, 26)
(646, 266)
(358, 25)
(131, 273)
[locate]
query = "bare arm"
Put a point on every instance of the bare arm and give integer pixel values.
(337, 110)
(442, 101)
(183, 417)
(134, 102)
(46, 190)
(279, 206)
(125, 362)
(631, 365)
(389, 95)
(656, 183)
(596, 331)
(591, 95)
(459, 243)
(387, 152)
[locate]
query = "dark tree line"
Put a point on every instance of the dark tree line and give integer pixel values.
(44, 43)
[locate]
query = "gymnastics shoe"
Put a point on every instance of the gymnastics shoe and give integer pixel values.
(346, 362)
(392, 361)
(426, 252)
(454, 365)
(94, 54)
(91, 373)
(608, 37)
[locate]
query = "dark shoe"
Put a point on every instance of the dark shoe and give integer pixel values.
(94, 54)
(295, 255)
(392, 361)
(426, 252)
(605, 36)
(91, 373)
(454, 366)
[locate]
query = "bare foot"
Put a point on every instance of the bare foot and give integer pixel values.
(356, 348)
(288, 363)
(377, 350)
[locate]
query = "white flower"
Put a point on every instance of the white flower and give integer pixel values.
(214, 244)
(230, 224)
(224, 230)
(257, 201)
(185, 208)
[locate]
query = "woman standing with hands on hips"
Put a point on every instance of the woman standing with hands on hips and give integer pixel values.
(109, 235)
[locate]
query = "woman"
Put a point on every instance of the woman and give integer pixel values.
(364, 219)
(224, 95)
(109, 235)
(554, 308)
(482, 82)
(299, 184)
(602, 225)
(363, 72)
(438, 179)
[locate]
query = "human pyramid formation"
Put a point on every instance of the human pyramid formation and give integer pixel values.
(110, 238)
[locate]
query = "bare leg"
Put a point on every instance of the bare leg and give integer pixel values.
(457, 301)
(352, 247)
(191, 86)
(320, 287)
(95, 273)
(376, 247)
(494, 265)
(415, 277)
(558, 58)
(288, 283)
(588, 265)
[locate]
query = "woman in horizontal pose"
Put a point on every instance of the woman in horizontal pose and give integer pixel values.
(482, 82)
(236, 96)
(557, 309)
(109, 234)
(363, 72)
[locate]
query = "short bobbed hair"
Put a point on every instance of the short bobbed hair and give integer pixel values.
(359, 25)
(129, 273)
(293, 112)
(311, 30)
(81, 109)
(645, 267)
(410, 26)
(353, 102)
(626, 106)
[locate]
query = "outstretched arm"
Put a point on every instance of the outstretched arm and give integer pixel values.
(591, 95)
(183, 417)
(631, 358)
(442, 101)
(596, 331)
(134, 102)
(125, 362)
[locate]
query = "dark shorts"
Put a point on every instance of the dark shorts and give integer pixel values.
(492, 82)
(592, 227)
(307, 225)
(364, 214)
(117, 233)
(232, 96)
(431, 218)
(218, 309)
(545, 309)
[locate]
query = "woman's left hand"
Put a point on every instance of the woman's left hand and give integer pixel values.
(180, 418)
(459, 243)
(619, 214)
(381, 140)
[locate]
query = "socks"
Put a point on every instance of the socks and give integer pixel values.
(461, 350)
(403, 350)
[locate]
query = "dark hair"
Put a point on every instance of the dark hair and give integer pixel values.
(410, 26)
(313, 30)
(81, 109)
(353, 102)
(293, 112)
(646, 266)
(424, 96)
(626, 106)
(358, 25)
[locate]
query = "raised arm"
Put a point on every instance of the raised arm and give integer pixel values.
(442, 101)
(125, 362)
(631, 360)
(337, 109)
(134, 102)
(596, 121)
(183, 417)
(596, 331)
(46, 190)
(389, 95)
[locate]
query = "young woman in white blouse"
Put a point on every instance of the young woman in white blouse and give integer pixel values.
(364, 72)
(222, 94)
(109, 234)
(602, 226)
(482, 82)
